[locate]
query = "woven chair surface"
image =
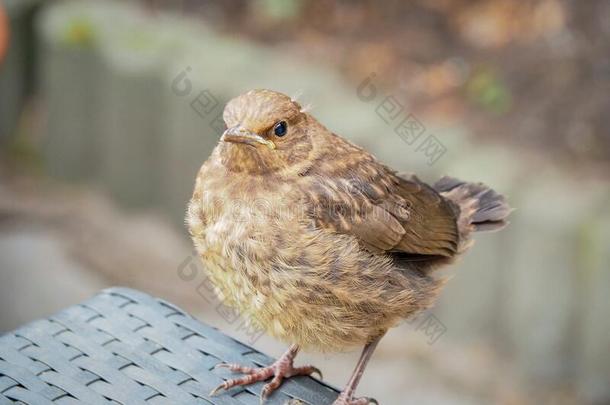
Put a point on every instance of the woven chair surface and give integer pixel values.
(126, 347)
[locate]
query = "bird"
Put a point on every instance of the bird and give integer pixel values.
(316, 242)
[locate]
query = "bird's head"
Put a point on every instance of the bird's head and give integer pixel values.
(266, 132)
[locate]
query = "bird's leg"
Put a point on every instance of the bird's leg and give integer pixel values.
(280, 369)
(347, 395)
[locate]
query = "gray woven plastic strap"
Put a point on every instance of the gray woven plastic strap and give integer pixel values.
(126, 347)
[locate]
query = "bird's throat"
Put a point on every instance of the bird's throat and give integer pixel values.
(240, 157)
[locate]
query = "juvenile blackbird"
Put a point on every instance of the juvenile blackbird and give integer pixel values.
(315, 241)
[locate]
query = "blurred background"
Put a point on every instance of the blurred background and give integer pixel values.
(107, 110)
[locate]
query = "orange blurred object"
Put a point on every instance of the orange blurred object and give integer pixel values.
(3, 32)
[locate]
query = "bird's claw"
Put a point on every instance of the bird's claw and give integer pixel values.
(215, 390)
(318, 372)
(277, 371)
(221, 365)
(342, 400)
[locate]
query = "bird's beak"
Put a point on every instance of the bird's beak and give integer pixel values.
(240, 135)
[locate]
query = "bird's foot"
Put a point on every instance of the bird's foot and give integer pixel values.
(348, 399)
(280, 369)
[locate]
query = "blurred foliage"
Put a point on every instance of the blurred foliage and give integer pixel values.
(546, 61)
(279, 9)
(486, 89)
(79, 32)
(25, 155)
(21, 152)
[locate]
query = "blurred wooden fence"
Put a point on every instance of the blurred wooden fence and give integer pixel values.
(16, 73)
(133, 105)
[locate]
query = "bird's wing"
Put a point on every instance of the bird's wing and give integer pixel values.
(385, 211)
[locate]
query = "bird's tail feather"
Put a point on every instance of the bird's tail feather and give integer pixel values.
(481, 208)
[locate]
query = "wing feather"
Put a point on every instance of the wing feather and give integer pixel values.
(384, 210)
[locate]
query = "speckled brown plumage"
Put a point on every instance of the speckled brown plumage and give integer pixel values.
(312, 238)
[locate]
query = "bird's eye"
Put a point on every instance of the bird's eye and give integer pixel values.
(280, 128)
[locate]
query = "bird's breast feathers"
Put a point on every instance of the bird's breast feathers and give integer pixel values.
(269, 260)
